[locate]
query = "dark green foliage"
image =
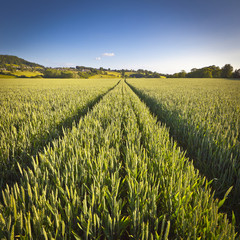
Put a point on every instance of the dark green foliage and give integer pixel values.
(67, 74)
(87, 74)
(145, 74)
(182, 74)
(8, 59)
(123, 73)
(52, 73)
(227, 71)
(236, 73)
(55, 73)
(79, 72)
(207, 72)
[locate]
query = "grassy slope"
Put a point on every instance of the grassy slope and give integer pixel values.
(20, 73)
(110, 74)
(27, 73)
(6, 76)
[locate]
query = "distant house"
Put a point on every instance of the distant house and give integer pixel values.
(85, 70)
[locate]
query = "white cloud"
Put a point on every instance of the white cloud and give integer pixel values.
(108, 54)
(105, 55)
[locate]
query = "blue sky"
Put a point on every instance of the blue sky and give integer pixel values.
(166, 36)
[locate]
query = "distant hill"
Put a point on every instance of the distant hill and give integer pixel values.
(13, 60)
(13, 66)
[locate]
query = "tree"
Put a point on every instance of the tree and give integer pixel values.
(52, 73)
(123, 73)
(236, 73)
(140, 71)
(216, 72)
(182, 74)
(10, 68)
(175, 75)
(227, 71)
(67, 74)
(207, 73)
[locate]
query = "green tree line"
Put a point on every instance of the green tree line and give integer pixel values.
(56, 73)
(209, 72)
(145, 74)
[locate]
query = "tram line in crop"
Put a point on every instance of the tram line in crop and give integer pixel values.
(116, 174)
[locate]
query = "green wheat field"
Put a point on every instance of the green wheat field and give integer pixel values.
(119, 159)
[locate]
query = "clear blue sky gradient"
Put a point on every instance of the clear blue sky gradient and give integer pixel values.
(166, 36)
